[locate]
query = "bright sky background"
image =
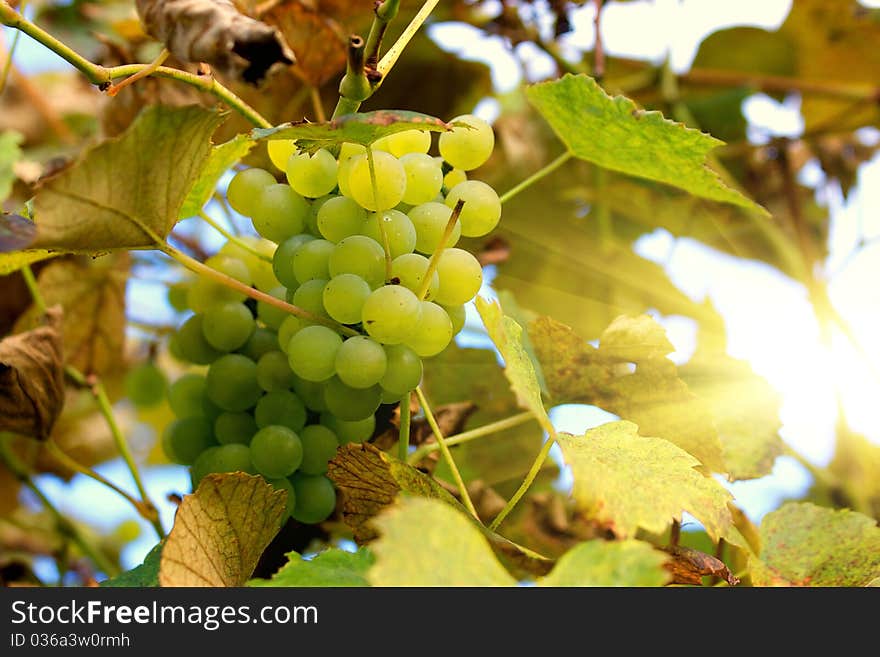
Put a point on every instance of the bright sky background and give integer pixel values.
(769, 320)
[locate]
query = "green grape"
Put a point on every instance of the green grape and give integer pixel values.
(349, 403)
(279, 212)
(282, 260)
(276, 451)
(312, 175)
(424, 178)
(260, 268)
(430, 221)
(232, 428)
(145, 385)
(467, 148)
(344, 296)
(312, 353)
(344, 174)
(280, 151)
(312, 394)
(319, 446)
(186, 438)
(262, 341)
(410, 269)
(283, 483)
(186, 396)
(481, 210)
(177, 295)
(310, 296)
(206, 292)
(391, 313)
(228, 326)
(407, 141)
(270, 315)
(460, 277)
(457, 315)
(273, 372)
(315, 498)
(349, 431)
(203, 465)
(231, 383)
(359, 255)
(404, 371)
(349, 150)
(312, 219)
(398, 229)
(360, 362)
(433, 333)
(224, 458)
(289, 327)
(245, 187)
(453, 178)
(390, 181)
(340, 217)
(280, 407)
(310, 260)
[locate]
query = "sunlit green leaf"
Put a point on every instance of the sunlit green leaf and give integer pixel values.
(609, 563)
(331, 567)
(221, 158)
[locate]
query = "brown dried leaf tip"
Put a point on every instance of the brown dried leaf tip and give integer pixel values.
(214, 31)
(32, 379)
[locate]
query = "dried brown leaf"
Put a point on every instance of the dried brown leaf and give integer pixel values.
(689, 566)
(32, 380)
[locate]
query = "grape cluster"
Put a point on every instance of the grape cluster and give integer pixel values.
(352, 241)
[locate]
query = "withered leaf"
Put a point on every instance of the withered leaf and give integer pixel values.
(689, 566)
(221, 530)
(32, 380)
(214, 31)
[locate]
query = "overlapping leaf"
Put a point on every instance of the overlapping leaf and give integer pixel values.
(146, 574)
(425, 542)
(221, 158)
(331, 567)
(808, 545)
(221, 530)
(609, 563)
(629, 481)
(616, 135)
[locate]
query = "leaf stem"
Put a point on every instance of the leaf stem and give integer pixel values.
(232, 238)
(28, 275)
(535, 177)
(7, 65)
(385, 12)
(396, 50)
(527, 482)
(405, 416)
(429, 416)
(473, 434)
(64, 526)
(434, 262)
(203, 270)
(114, 89)
(386, 246)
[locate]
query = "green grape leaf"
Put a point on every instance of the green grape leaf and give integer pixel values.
(808, 545)
(608, 460)
(609, 563)
(9, 154)
(424, 542)
(221, 158)
(144, 575)
(221, 530)
(361, 128)
(856, 464)
(92, 294)
(616, 135)
(127, 189)
(519, 368)
(652, 396)
(747, 50)
(745, 409)
(331, 567)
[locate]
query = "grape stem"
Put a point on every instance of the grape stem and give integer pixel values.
(63, 525)
(527, 482)
(203, 270)
(473, 434)
(429, 416)
(535, 177)
(435, 257)
(103, 77)
(405, 416)
(385, 12)
(232, 238)
(386, 246)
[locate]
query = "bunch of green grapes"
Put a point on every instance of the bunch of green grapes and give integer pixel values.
(365, 244)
